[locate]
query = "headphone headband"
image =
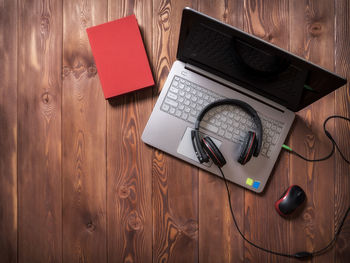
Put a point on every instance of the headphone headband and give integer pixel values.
(245, 106)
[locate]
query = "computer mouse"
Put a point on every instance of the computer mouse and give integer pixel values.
(291, 199)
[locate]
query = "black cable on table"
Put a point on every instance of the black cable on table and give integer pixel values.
(298, 255)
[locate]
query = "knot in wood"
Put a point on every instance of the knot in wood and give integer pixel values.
(134, 221)
(90, 226)
(315, 29)
(269, 37)
(164, 19)
(84, 23)
(46, 97)
(45, 25)
(124, 191)
(190, 228)
(92, 70)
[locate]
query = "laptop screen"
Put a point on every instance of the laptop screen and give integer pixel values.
(252, 63)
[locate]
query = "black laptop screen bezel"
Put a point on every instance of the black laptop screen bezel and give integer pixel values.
(324, 80)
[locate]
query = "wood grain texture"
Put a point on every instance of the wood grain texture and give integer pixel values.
(84, 138)
(39, 131)
(219, 241)
(341, 135)
(312, 28)
(129, 163)
(268, 20)
(175, 183)
(77, 184)
(8, 131)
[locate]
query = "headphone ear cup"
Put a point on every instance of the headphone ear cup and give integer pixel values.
(213, 151)
(198, 148)
(248, 148)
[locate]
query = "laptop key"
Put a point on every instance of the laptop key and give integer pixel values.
(199, 107)
(173, 89)
(275, 139)
(172, 96)
(165, 107)
(228, 135)
(171, 102)
(191, 119)
(209, 127)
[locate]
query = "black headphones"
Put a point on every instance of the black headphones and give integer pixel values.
(206, 149)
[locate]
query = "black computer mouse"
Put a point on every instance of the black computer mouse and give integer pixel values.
(291, 199)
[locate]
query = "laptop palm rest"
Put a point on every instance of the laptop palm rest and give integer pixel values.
(185, 147)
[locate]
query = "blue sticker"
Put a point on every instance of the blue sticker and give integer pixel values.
(256, 184)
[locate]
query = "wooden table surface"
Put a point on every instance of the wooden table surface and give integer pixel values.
(78, 185)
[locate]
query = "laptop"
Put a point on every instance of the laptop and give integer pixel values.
(217, 61)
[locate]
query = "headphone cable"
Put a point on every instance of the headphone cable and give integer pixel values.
(334, 144)
(298, 255)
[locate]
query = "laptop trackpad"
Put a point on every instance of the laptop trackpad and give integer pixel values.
(185, 147)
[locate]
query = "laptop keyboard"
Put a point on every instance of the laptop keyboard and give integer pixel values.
(186, 99)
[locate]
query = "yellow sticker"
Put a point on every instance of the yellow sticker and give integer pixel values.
(249, 181)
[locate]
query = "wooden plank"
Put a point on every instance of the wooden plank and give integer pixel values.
(84, 138)
(268, 20)
(341, 135)
(129, 163)
(219, 241)
(8, 131)
(312, 28)
(39, 131)
(175, 183)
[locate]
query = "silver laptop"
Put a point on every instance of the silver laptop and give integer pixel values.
(216, 61)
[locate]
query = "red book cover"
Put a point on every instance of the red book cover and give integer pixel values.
(120, 56)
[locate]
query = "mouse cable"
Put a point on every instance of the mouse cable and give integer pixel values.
(334, 144)
(298, 255)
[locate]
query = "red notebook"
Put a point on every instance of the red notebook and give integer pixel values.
(120, 56)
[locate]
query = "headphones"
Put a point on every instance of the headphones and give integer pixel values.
(206, 149)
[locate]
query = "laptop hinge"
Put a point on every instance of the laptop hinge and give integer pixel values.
(235, 87)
